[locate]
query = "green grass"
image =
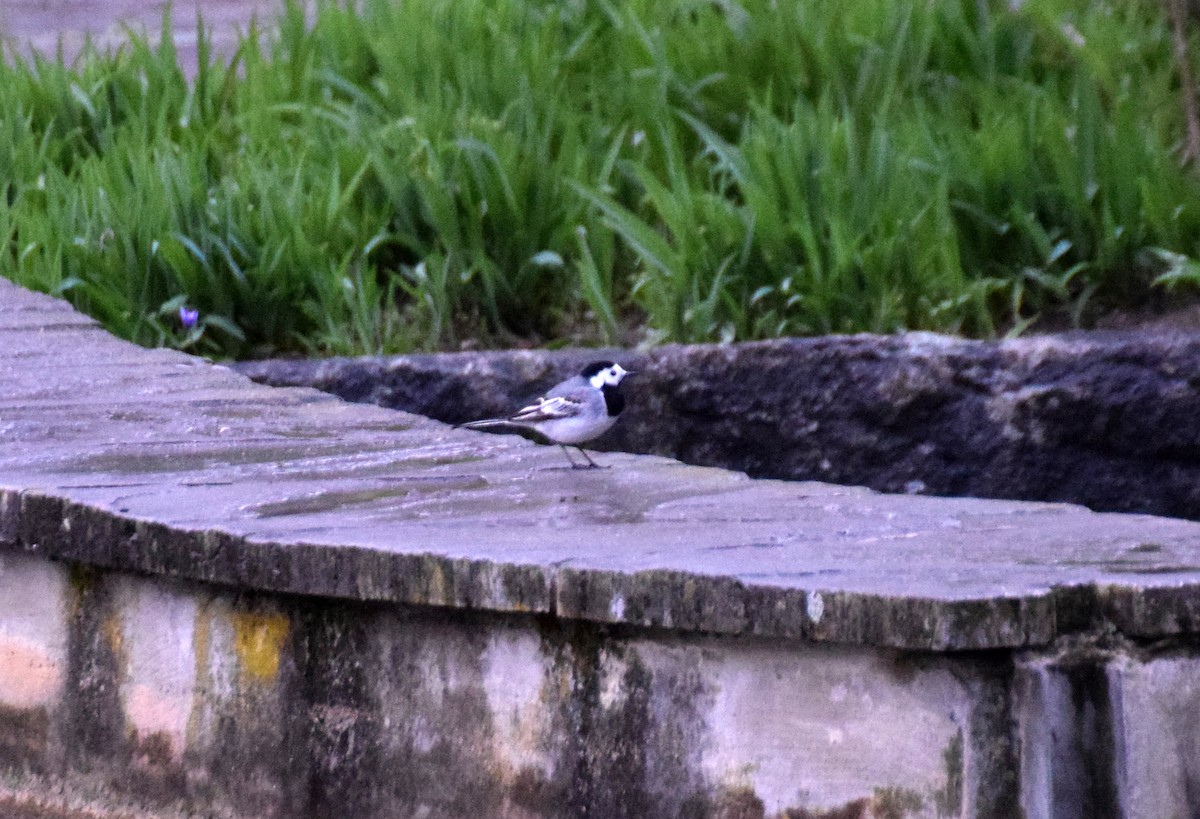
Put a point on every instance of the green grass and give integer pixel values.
(414, 174)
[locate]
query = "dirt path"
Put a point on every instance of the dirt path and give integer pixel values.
(39, 25)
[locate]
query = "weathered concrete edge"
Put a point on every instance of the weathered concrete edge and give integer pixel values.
(63, 529)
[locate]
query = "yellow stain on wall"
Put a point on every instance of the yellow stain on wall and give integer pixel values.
(258, 641)
(202, 648)
(111, 629)
(202, 640)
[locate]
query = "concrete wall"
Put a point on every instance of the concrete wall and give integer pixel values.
(155, 697)
(165, 697)
(1110, 730)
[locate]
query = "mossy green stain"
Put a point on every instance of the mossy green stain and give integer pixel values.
(949, 799)
(894, 802)
(82, 579)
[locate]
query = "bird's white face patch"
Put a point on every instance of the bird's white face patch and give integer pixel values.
(609, 375)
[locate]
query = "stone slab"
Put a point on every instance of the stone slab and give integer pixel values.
(156, 461)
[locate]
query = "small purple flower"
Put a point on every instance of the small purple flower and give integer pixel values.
(188, 318)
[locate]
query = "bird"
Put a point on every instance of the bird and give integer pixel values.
(573, 412)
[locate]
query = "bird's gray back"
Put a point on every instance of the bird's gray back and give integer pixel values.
(572, 387)
(589, 400)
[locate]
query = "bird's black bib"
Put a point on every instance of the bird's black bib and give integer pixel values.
(613, 400)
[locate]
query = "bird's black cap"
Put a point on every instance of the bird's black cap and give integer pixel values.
(595, 367)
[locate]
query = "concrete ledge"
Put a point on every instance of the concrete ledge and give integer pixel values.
(222, 599)
(157, 462)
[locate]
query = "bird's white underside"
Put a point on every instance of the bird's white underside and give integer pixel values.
(571, 431)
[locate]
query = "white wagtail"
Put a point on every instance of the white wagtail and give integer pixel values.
(572, 413)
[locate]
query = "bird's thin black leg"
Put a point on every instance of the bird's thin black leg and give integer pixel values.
(567, 452)
(586, 457)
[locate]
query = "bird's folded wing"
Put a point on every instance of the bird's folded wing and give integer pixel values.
(549, 409)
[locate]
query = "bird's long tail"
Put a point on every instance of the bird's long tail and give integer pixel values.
(488, 424)
(505, 426)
